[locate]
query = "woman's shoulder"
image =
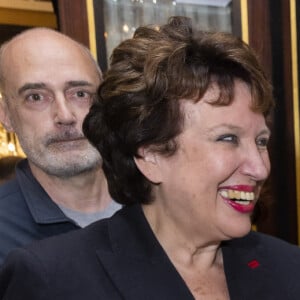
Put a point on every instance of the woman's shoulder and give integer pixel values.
(271, 249)
(272, 242)
(270, 265)
(261, 240)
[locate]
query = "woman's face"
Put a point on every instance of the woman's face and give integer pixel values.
(212, 183)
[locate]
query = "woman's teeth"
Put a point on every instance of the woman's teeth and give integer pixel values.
(240, 197)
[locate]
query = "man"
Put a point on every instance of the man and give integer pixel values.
(48, 82)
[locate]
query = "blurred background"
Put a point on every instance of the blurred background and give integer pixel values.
(271, 27)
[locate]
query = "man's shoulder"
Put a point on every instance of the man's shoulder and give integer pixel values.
(12, 202)
(90, 237)
(9, 191)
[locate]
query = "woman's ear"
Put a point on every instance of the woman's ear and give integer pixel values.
(148, 163)
(4, 116)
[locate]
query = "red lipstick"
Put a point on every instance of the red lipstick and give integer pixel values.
(242, 208)
(240, 187)
(238, 197)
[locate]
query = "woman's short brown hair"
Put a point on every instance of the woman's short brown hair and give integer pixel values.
(138, 102)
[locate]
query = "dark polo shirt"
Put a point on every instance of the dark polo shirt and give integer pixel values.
(27, 213)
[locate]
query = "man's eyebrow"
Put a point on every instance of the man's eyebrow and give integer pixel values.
(28, 86)
(41, 85)
(75, 83)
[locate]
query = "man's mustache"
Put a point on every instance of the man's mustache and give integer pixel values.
(64, 137)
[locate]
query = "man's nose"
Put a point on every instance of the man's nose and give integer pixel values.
(63, 111)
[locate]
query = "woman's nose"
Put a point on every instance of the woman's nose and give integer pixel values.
(256, 163)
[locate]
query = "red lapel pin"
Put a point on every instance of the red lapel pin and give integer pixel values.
(253, 264)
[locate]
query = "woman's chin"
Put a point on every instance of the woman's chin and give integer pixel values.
(237, 231)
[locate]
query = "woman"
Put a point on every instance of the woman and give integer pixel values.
(181, 124)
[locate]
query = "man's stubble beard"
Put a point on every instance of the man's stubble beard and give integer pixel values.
(62, 164)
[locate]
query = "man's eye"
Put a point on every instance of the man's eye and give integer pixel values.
(34, 97)
(229, 138)
(82, 94)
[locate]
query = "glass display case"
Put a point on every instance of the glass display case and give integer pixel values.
(122, 17)
(116, 20)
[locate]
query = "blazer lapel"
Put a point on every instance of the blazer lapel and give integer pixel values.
(248, 272)
(136, 263)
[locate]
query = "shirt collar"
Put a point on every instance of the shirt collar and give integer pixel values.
(43, 209)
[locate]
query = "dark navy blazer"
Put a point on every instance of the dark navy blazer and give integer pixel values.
(120, 258)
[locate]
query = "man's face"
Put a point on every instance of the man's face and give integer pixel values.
(49, 89)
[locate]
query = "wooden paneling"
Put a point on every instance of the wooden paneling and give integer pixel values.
(27, 13)
(270, 36)
(73, 20)
(259, 32)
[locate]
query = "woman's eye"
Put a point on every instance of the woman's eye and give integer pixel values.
(229, 138)
(262, 142)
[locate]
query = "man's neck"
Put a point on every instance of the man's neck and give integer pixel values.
(86, 192)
